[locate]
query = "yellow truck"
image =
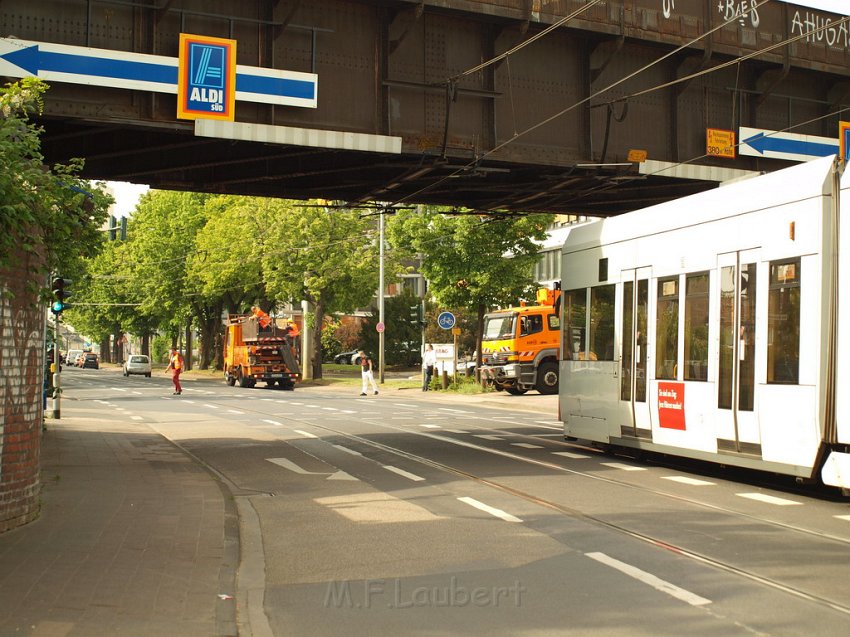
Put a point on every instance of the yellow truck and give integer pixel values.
(258, 349)
(521, 346)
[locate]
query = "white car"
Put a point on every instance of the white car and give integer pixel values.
(137, 364)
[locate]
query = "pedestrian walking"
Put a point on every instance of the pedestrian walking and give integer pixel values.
(175, 364)
(366, 373)
(429, 362)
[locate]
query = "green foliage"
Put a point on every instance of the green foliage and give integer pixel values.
(402, 338)
(160, 348)
(44, 211)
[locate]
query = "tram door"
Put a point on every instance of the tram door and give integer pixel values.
(634, 351)
(737, 425)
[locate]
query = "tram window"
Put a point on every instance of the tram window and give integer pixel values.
(602, 323)
(783, 323)
(667, 329)
(696, 326)
(575, 315)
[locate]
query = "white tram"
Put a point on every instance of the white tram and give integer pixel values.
(717, 326)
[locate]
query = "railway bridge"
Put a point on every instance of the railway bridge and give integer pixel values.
(572, 106)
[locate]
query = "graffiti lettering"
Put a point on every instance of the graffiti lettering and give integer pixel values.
(667, 7)
(834, 33)
(740, 9)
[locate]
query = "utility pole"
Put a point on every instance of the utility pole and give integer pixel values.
(381, 301)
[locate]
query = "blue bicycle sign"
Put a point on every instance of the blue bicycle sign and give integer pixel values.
(446, 320)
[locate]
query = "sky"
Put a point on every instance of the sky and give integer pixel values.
(834, 6)
(127, 195)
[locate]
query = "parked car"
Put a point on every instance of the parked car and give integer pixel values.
(89, 360)
(137, 364)
(71, 356)
(347, 358)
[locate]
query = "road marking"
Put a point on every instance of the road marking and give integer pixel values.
(488, 509)
(526, 445)
(136, 418)
(273, 422)
(304, 433)
(557, 423)
(235, 411)
(570, 454)
(456, 411)
(348, 411)
(623, 467)
(283, 402)
(456, 431)
(288, 464)
(647, 578)
(137, 393)
(210, 406)
(330, 408)
(117, 389)
(402, 472)
(294, 403)
(406, 405)
(347, 450)
(768, 499)
(267, 400)
(689, 481)
(186, 400)
(103, 402)
(488, 437)
(846, 518)
(548, 435)
(431, 426)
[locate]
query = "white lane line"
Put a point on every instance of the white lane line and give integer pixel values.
(402, 472)
(526, 445)
(235, 411)
(623, 467)
(560, 435)
(294, 403)
(455, 411)
(102, 402)
(648, 578)
(846, 518)
(306, 434)
(556, 423)
(406, 405)
(267, 400)
(348, 411)
(768, 499)
(273, 422)
(689, 481)
(186, 400)
(117, 389)
(455, 431)
(283, 402)
(488, 437)
(431, 426)
(137, 393)
(136, 418)
(330, 408)
(347, 450)
(210, 406)
(570, 454)
(491, 510)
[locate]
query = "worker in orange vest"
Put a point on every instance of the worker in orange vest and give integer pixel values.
(175, 364)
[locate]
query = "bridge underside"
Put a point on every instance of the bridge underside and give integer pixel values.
(382, 69)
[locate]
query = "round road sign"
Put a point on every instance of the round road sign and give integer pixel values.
(446, 320)
(380, 327)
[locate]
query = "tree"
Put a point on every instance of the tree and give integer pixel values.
(472, 261)
(325, 255)
(46, 211)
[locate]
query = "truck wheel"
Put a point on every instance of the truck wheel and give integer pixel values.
(515, 391)
(243, 382)
(229, 379)
(547, 378)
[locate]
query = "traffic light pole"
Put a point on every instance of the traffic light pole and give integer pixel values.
(57, 372)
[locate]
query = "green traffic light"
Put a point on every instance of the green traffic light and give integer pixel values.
(57, 307)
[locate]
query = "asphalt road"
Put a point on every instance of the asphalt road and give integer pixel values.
(417, 514)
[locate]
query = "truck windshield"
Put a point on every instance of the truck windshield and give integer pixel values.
(498, 326)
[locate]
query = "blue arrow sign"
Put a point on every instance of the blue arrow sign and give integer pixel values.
(781, 145)
(139, 71)
(33, 60)
(763, 143)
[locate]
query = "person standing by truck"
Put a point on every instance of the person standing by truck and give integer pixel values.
(175, 364)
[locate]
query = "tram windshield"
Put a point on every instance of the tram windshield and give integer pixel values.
(499, 326)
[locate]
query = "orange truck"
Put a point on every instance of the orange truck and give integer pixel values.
(521, 346)
(261, 351)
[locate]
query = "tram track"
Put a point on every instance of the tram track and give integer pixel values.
(571, 512)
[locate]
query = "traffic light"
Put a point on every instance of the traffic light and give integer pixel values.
(61, 292)
(416, 315)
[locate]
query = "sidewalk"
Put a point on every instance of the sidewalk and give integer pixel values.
(135, 539)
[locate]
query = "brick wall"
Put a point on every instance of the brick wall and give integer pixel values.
(21, 377)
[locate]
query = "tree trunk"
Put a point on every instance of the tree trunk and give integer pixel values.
(105, 351)
(479, 336)
(146, 344)
(187, 359)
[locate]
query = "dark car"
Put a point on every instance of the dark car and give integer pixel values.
(347, 358)
(90, 361)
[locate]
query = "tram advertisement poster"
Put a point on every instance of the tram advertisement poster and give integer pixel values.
(671, 405)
